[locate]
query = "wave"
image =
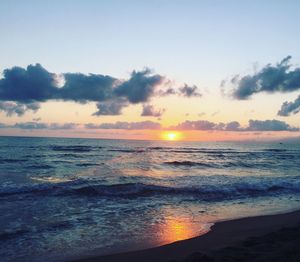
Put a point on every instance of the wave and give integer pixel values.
(72, 148)
(40, 166)
(123, 150)
(218, 192)
(8, 235)
(204, 193)
(86, 164)
(188, 163)
(11, 160)
(231, 163)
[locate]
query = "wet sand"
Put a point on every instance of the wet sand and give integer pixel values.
(262, 238)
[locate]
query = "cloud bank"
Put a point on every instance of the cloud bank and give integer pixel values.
(37, 125)
(126, 125)
(200, 125)
(253, 125)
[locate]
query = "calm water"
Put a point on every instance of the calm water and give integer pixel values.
(65, 197)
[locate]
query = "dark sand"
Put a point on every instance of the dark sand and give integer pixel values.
(263, 238)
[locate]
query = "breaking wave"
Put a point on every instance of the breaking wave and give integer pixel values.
(129, 190)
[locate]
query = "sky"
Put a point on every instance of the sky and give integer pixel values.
(205, 70)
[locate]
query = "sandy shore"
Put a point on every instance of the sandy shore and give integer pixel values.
(262, 238)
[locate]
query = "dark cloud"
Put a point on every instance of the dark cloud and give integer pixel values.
(83, 88)
(28, 85)
(149, 110)
(126, 125)
(189, 91)
(288, 108)
(25, 87)
(278, 78)
(111, 107)
(16, 108)
(140, 87)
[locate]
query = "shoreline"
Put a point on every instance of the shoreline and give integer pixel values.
(223, 234)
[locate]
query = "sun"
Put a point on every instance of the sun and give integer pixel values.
(171, 136)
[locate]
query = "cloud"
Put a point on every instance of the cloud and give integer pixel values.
(169, 91)
(30, 125)
(27, 85)
(189, 91)
(278, 78)
(253, 125)
(201, 125)
(16, 108)
(232, 126)
(35, 125)
(55, 126)
(269, 125)
(126, 125)
(185, 90)
(21, 89)
(83, 88)
(149, 110)
(111, 107)
(288, 108)
(140, 87)
(198, 125)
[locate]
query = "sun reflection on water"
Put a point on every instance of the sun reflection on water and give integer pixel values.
(178, 228)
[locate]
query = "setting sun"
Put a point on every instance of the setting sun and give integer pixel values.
(171, 136)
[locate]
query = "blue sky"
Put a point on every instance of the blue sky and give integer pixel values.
(198, 40)
(195, 42)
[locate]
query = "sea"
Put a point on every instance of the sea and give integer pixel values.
(65, 198)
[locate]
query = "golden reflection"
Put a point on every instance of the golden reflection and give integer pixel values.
(177, 228)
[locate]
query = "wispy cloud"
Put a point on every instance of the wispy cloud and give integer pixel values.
(289, 108)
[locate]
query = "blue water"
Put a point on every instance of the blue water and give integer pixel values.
(63, 198)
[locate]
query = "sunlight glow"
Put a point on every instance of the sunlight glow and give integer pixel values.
(171, 136)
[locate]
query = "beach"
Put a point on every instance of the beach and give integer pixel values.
(261, 238)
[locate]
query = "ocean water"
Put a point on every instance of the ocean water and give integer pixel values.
(64, 198)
